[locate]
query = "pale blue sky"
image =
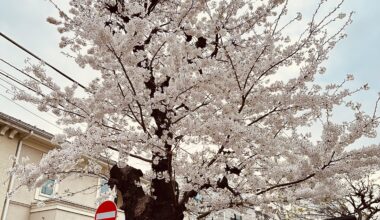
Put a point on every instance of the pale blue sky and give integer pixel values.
(25, 22)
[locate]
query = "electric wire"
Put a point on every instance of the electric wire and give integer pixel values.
(30, 111)
(3, 73)
(38, 81)
(38, 58)
(21, 106)
(52, 67)
(6, 89)
(7, 83)
(24, 73)
(9, 91)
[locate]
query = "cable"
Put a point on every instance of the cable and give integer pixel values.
(19, 70)
(9, 91)
(38, 58)
(11, 84)
(30, 111)
(15, 80)
(2, 72)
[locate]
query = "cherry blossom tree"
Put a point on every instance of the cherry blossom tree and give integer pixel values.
(215, 96)
(362, 201)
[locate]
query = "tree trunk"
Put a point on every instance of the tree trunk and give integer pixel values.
(161, 204)
(164, 192)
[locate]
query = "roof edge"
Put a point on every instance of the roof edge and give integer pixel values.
(37, 131)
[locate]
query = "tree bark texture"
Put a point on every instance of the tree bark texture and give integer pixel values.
(161, 204)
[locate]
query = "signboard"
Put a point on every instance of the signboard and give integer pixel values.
(106, 211)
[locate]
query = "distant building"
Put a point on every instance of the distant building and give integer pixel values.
(19, 139)
(231, 214)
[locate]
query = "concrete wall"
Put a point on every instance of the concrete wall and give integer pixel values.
(61, 210)
(80, 206)
(23, 195)
(7, 148)
(18, 211)
(78, 184)
(64, 215)
(45, 215)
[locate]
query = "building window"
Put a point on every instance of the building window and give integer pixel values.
(106, 193)
(236, 217)
(104, 188)
(198, 198)
(47, 189)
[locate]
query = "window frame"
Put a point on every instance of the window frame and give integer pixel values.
(41, 196)
(114, 190)
(98, 191)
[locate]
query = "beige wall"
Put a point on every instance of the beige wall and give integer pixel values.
(70, 184)
(23, 195)
(7, 148)
(78, 184)
(80, 206)
(18, 211)
(45, 215)
(56, 210)
(64, 215)
(64, 211)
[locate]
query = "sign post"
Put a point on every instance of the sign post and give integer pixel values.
(106, 211)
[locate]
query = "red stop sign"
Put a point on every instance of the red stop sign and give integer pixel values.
(106, 211)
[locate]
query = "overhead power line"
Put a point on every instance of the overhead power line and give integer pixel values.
(2, 72)
(13, 85)
(6, 89)
(9, 91)
(30, 111)
(38, 58)
(18, 82)
(21, 106)
(23, 72)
